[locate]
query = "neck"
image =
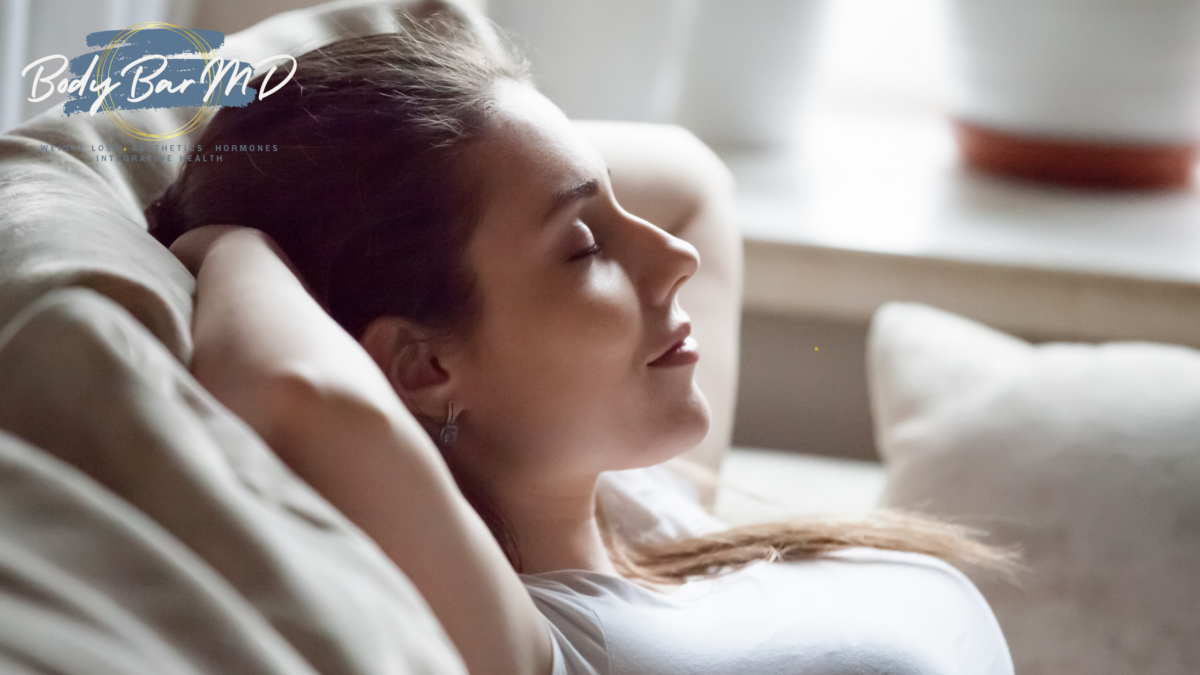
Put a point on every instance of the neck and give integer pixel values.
(555, 526)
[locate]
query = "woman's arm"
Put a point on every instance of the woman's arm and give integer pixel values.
(665, 175)
(268, 352)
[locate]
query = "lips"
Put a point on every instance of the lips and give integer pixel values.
(681, 352)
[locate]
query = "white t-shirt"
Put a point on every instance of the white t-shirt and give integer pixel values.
(862, 612)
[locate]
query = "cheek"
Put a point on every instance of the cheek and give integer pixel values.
(601, 315)
(589, 331)
(563, 340)
(557, 370)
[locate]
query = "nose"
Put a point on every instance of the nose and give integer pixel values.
(666, 263)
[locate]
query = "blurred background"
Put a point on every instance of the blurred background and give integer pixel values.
(1026, 163)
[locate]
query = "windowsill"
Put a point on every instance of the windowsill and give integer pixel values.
(876, 209)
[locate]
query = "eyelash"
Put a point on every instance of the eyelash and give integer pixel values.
(586, 253)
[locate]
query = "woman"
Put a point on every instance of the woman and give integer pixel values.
(505, 332)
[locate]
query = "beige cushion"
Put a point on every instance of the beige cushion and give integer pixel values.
(197, 538)
(66, 220)
(1087, 456)
(85, 576)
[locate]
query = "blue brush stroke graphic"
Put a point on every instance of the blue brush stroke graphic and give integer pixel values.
(175, 47)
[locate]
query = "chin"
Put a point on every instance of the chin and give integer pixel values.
(679, 429)
(696, 419)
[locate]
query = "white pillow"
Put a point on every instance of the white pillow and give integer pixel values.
(1087, 456)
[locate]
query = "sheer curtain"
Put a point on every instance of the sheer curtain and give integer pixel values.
(31, 29)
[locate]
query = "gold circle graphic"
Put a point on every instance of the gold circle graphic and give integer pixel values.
(104, 70)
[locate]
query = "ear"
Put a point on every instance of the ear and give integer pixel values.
(409, 359)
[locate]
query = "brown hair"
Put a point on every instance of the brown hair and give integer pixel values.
(368, 196)
(806, 538)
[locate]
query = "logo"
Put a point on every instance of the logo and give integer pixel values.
(153, 65)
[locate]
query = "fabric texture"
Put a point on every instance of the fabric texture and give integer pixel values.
(1085, 456)
(226, 548)
(66, 220)
(84, 579)
(862, 612)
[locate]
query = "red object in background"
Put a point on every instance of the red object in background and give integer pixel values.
(1115, 166)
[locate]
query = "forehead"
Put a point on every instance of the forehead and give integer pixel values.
(531, 151)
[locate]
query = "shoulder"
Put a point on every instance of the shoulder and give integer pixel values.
(580, 644)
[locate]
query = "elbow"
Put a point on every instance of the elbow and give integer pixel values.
(276, 405)
(301, 410)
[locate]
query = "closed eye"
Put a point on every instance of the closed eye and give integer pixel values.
(586, 253)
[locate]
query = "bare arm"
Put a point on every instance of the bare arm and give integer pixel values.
(268, 352)
(665, 175)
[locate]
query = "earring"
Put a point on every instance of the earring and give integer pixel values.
(450, 428)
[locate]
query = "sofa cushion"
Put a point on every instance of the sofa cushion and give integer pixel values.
(84, 578)
(259, 553)
(68, 220)
(1086, 456)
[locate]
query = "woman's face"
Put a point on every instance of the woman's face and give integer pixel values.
(581, 360)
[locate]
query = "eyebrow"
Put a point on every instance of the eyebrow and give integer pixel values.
(573, 193)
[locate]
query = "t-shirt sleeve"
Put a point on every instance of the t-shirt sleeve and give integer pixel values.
(578, 638)
(558, 664)
(982, 647)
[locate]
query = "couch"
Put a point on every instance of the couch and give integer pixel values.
(145, 529)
